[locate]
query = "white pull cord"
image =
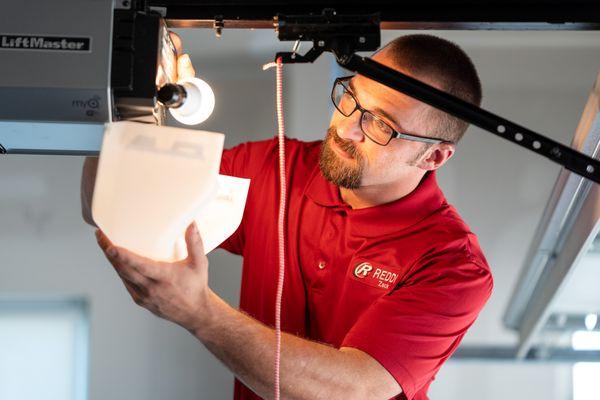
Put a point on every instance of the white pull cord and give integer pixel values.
(281, 218)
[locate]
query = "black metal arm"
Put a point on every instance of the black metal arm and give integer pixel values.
(569, 158)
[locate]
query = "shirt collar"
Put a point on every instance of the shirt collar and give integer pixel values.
(385, 218)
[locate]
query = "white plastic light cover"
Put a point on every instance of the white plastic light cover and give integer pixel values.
(153, 181)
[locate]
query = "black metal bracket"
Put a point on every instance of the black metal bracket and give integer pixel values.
(341, 34)
(344, 35)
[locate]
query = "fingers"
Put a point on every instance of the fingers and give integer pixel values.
(147, 267)
(130, 266)
(176, 39)
(185, 69)
(195, 246)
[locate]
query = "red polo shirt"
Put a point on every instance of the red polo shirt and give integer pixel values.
(401, 281)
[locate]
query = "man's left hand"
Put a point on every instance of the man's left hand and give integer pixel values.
(175, 291)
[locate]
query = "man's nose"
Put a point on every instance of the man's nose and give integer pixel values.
(349, 127)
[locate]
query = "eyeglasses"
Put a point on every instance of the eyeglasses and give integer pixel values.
(374, 127)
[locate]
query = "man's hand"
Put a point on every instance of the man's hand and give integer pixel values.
(175, 291)
(179, 292)
(185, 69)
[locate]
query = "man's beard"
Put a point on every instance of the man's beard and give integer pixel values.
(341, 172)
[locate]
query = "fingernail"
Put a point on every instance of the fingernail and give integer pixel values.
(111, 251)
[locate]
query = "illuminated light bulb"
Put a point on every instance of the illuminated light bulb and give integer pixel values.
(199, 102)
(590, 321)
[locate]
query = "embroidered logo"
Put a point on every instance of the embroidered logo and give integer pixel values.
(376, 276)
(362, 270)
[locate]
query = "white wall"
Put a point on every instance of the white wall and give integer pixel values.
(540, 80)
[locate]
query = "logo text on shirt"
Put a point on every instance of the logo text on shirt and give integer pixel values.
(376, 276)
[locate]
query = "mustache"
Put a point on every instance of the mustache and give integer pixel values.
(345, 145)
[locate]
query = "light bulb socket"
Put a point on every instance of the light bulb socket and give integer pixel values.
(171, 95)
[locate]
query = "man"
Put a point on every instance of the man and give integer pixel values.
(383, 278)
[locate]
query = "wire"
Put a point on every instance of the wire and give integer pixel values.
(280, 223)
(281, 218)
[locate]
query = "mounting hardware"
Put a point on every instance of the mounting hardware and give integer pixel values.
(218, 25)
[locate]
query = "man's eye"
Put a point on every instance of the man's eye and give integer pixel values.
(382, 126)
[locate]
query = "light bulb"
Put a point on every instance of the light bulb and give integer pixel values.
(198, 104)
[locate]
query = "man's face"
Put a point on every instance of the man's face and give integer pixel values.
(350, 159)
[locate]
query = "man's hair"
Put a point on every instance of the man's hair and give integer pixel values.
(446, 64)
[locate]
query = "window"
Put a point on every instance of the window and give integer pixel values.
(43, 350)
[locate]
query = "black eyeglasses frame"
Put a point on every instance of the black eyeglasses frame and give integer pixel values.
(394, 135)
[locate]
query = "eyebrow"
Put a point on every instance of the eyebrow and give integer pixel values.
(378, 110)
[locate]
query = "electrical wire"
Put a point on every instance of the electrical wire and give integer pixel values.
(280, 223)
(280, 220)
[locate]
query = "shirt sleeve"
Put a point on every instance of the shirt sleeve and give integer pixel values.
(414, 329)
(243, 161)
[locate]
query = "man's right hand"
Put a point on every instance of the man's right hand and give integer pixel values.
(185, 70)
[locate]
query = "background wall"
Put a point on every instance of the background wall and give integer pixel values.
(538, 79)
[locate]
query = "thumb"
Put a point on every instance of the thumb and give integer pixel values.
(193, 241)
(185, 69)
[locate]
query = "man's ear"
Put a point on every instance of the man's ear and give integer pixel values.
(436, 156)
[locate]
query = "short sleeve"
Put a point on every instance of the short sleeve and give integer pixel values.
(414, 329)
(247, 159)
(243, 161)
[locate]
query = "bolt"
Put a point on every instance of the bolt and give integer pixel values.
(321, 43)
(362, 39)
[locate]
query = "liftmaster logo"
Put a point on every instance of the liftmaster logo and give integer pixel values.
(381, 277)
(45, 42)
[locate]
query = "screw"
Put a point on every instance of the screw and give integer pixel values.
(125, 3)
(362, 39)
(321, 43)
